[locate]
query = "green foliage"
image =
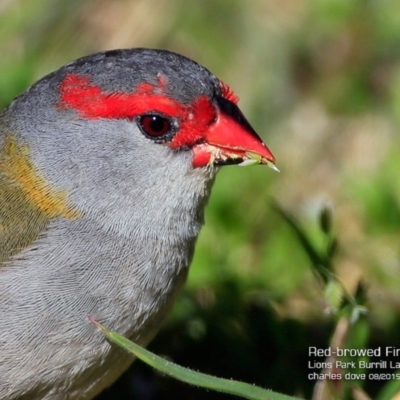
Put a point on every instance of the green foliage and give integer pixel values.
(240, 389)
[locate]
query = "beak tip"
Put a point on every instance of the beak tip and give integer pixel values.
(273, 166)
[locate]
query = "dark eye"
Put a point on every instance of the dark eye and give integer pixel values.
(155, 125)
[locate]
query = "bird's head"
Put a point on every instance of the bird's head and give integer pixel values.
(173, 101)
(126, 120)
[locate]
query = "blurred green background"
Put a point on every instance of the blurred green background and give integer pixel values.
(320, 82)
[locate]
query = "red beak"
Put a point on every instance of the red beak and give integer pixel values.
(231, 140)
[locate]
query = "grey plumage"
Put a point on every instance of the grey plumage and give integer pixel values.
(124, 254)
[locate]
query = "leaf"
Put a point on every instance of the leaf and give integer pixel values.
(325, 219)
(244, 390)
(319, 263)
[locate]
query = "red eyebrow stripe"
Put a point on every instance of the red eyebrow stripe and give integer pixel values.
(200, 117)
(228, 93)
(78, 93)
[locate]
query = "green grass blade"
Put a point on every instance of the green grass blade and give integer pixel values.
(244, 390)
